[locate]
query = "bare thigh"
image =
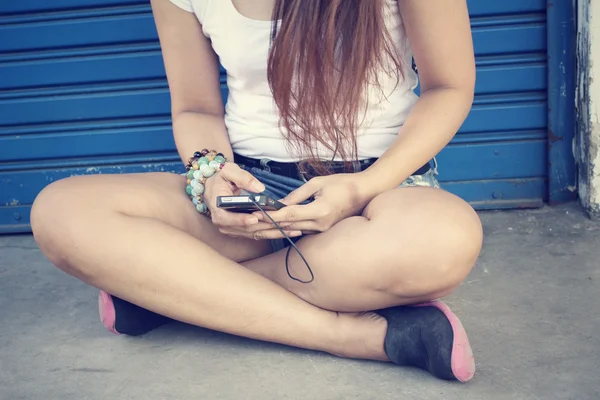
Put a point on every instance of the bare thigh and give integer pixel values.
(159, 196)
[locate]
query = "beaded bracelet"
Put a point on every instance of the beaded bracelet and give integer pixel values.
(200, 167)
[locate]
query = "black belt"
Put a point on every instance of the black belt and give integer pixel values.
(300, 170)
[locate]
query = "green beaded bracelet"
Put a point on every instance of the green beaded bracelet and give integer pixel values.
(200, 167)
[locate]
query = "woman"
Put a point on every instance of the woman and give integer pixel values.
(331, 80)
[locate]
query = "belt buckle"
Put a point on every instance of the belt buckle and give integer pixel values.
(302, 176)
(302, 171)
(264, 164)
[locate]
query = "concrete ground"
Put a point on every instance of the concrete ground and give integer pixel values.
(530, 307)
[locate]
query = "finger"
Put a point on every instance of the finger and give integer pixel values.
(298, 213)
(305, 226)
(241, 178)
(261, 235)
(303, 193)
(234, 233)
(275, 234)
(223, 218)
(265, 226)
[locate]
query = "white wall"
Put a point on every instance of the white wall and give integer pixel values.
(588, 105)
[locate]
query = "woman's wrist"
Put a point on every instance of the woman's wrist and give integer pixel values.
(227, 154)
(379, 178)
(367, 187)
(200, 167)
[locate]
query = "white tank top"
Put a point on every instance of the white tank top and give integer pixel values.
(251, 116)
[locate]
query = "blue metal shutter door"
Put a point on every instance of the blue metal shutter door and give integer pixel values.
(83, 91)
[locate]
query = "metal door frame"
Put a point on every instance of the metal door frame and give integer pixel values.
(561, 35)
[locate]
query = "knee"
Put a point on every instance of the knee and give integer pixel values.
(437, 259)
(52, 218)
(457, 252)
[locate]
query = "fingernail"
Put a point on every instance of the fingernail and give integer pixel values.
(258, 187)
(294, 233)
(252, 221)
(258, 215)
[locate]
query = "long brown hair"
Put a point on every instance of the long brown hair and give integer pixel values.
(324, 54)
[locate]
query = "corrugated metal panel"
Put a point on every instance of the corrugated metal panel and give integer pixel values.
(82, 90)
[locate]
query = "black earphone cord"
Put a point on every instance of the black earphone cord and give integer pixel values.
(292, 245)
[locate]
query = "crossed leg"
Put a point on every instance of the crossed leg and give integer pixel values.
(137, 237)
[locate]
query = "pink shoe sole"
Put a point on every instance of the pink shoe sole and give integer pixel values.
(463, 362)
(106, 308)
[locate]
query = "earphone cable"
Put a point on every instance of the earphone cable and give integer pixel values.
(292, 245)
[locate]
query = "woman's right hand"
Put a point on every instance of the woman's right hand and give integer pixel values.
(230, 181)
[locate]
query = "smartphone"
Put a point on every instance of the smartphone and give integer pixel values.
(244, 203)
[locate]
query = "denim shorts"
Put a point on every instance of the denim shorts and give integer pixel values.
(279, 186)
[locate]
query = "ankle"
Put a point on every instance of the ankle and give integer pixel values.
(360, 336)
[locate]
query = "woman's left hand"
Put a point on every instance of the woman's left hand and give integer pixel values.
(336, 197)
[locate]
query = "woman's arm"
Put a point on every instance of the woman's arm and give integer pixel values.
(440, 36)
(193, 74)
